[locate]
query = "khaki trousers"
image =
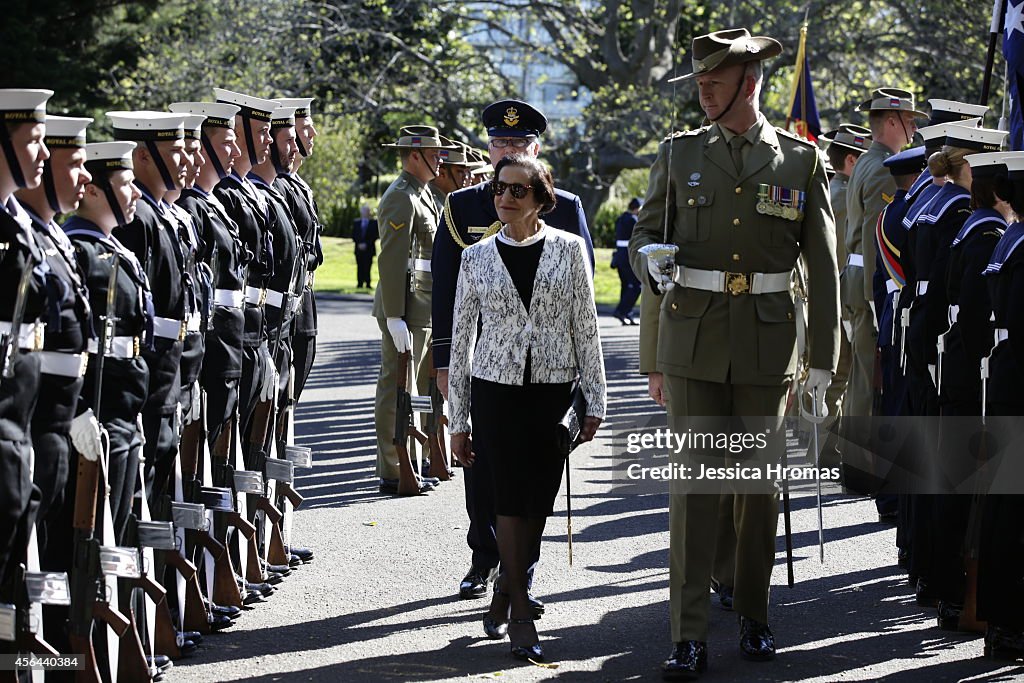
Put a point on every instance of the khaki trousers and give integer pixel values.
(695, 518)
(860, 388)
(384, 409)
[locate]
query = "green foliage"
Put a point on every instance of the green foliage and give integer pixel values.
(331, 171)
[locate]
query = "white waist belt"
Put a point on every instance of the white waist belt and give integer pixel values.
(1001, 335)
(168, 328)
(274, 298)
(255, 296)
(891, 286)
(733, 283)
(922, 287)
(954, 313)
(31, 335)
(309, 279)
(420, 264)
(855, 260)
(63, 364)
(621, 243)
(120, 347)
(232, 298)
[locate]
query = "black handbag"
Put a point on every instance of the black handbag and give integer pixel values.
(567, 432)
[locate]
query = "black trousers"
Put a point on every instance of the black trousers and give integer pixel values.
(629, 291)
(364, 261)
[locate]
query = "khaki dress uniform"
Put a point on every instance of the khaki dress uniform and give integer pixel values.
(408, 219)
(870, 189)
(724, 350)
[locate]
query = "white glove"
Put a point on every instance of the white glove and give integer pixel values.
(874, 316)
(268, 389)
(194, 407)
(142, 430)
(816, 385)
(400, 334)
(660, 276)
(85, 435)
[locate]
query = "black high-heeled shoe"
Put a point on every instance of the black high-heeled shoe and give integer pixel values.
(527, 652)
(496, 630)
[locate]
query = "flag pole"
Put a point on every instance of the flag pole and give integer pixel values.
(998, 12)
(798, 76)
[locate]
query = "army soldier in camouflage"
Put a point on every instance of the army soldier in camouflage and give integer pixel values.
(745, 201)
(408, 218)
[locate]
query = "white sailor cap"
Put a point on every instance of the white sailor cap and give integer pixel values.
(109, 156)
(249, 106)
(303, 105)
(157, 126)
(978, 139)
(937, 133)
(66, 131)
(194, 126)
(218, 114)
(987, 164)
(283, 117)
(19, 105)
(944, 111)
(1014, 162)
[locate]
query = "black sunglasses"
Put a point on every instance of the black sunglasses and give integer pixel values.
(518, 190)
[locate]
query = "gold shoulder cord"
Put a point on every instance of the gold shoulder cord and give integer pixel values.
(495, 227)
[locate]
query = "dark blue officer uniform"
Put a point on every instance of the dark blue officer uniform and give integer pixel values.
(629, 290)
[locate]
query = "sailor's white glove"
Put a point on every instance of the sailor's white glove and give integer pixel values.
(268, 388)
(816, 385)
(848, 329)
(400, 334)
(142, 430)
(874, 316)
(194, 408)
(85, 435)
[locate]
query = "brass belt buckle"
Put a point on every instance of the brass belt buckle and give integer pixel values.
(183, 330)
(263, 296)
(37, 337)
(736, 283)
(135, 347)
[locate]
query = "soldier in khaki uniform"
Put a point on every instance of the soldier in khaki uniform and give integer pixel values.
(454, 174)
(745, 202)
(408, 219)
(892, 118)
(846, 144)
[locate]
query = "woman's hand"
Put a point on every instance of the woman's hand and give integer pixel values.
(589, 428)
(462, 448)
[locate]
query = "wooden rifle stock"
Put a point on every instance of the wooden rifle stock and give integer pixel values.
(408, 482)
(435, 432)
(90, 672)
(131, 663)
(225, 590)
(286, 490)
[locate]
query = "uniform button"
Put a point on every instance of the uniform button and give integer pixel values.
(675, 306)
(739, 190)
(690, 202)
(735, 221)
(735, 257)
(789, 315)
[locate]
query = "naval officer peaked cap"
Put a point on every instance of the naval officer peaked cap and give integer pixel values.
(513, 119)
(729, 47)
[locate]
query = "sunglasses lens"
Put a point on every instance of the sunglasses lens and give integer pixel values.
(518, 191)
(497, 188)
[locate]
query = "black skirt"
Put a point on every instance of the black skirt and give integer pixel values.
(514, 429)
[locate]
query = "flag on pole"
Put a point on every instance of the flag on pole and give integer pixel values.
(1013, 51)
(803, 109)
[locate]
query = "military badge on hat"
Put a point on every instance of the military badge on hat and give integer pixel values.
(891, 99)
(854, 138)
(513, 119)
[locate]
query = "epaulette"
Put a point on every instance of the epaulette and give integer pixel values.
(686, 133)
(794, 137)
(401, 184)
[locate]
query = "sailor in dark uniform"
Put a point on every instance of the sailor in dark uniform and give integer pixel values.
(153, 237)
(961, 349)
(629, 285)
(63, 359)
(288, 278)
(247, 206)
(111, 199)
(1001, 549)
(469, 215)
(223, 252)
(22, 126)
(936, 227)
(299, 196)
